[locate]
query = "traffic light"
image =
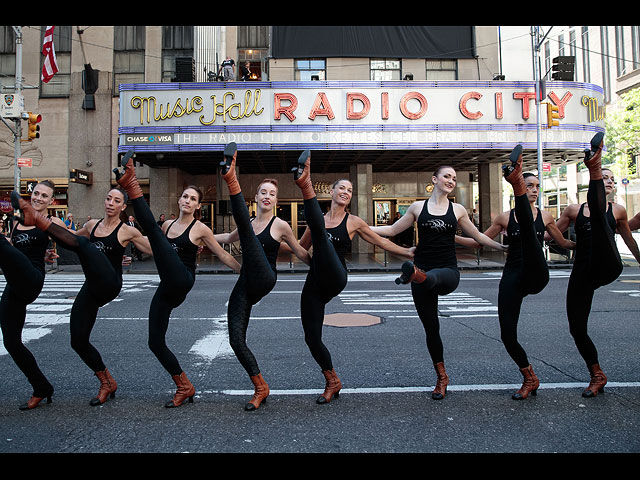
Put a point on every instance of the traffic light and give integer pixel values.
(563, 68)
(34, 129)
(553, 116)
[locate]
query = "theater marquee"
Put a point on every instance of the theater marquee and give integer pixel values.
(357, 115)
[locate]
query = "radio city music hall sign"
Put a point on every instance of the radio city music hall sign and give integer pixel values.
(351, 114)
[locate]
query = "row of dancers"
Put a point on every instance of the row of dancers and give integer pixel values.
(431, 267)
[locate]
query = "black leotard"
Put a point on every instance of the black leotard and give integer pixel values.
(339, 237)
(110, 246)
(186, 250)
(269, 244)
(436, 233)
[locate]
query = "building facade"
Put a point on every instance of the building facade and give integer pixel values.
(608, 56)
(382, 106)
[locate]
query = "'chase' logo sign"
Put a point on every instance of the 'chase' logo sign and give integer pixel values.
(148, 139)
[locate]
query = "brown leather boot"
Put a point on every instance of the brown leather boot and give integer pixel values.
(411, 273)
(30, 216)
(441, 383)
(529, 386)
(261, 392)
(597, 383)
(332, 387)
(128, 180)
(108, 387)
(185, 391)
(34, 402)
(229, 169)
(302, 175)
(513, 173)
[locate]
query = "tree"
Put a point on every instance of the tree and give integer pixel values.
(623, 133)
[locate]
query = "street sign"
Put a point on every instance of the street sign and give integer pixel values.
(625, 181)
(25, 162)
(546, 167)
(11, 105)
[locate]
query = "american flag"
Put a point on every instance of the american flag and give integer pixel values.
(49, 67)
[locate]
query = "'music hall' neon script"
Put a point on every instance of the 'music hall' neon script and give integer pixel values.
(285, 104)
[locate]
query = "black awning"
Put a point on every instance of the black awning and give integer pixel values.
(373, 41)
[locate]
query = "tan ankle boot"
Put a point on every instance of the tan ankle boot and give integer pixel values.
(597, 383)
(185, 391)
(302, 176)
(260, 394)
(108, 387)
(332, 387)
(128, 181)
(529, 386)
(441, 383)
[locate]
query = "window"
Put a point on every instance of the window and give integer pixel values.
(60, 84)
(547, 60)
(177, 42)
(635, 47)
(442, 69)
(604, 49)
(385, 69)
(7, 56)
(254, 57)
(310, 69)
(620, 62)
(128, 55)
(586, 66)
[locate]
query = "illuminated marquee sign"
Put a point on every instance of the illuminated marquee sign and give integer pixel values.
(353, 115)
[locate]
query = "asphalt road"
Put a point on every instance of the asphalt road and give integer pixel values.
(385, 405)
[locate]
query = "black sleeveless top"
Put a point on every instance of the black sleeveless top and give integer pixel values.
(339, 237)
(583, 230)
(186, 250)
(110, 246)
(436, 239)
(33, 243)
(514, 256)
(269, 244)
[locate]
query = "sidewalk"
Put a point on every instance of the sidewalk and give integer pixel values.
(377, 262)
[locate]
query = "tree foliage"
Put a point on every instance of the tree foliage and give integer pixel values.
(623, 132)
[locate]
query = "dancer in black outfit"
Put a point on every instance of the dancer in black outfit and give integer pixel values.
(435, 271)
(525, 271)
(597, 261)
(109, 235)
(22, 259)
(260, 240)
(101, 261)
(175, 258)
(330, 235)
(634, 223)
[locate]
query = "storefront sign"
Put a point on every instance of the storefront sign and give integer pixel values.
(353, 115)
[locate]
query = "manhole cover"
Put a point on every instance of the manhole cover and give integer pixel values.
(351, 320)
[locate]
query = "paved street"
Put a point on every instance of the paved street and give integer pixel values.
(385, 405)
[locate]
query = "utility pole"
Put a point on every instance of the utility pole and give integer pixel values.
(536, 42)
(18, 121)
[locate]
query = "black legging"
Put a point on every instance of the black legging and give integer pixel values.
(176, 280)
(24, 284)
(257, 279)
(102, 284)
(600, 266)
(439, 281)
(327, 277)
(528, 277)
